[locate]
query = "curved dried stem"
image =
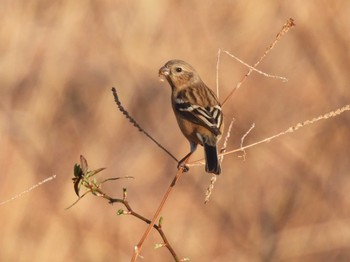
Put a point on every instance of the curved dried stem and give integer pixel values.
(133, 121)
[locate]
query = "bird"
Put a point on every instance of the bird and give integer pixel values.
(197, 110)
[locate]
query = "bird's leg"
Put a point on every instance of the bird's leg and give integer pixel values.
(180, 164)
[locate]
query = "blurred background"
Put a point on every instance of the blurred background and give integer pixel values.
(287, 201)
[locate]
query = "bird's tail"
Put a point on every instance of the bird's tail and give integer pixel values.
(212, 163)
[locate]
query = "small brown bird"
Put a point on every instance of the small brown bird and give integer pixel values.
(197, 110)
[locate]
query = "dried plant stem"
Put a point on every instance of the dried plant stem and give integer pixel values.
(28, 190)
(228, 134)
(131, 212)
(217, 72)
(210, 189)
(288, 25)
(138, 247)
(132, 120)
(242, 140)
(295, 128)
(83, 177)
(252, 68)
(214, 177)
(291, 129)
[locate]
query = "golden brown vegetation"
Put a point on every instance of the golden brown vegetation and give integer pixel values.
(286, 201)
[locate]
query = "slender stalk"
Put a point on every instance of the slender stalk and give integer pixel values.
(138, 247)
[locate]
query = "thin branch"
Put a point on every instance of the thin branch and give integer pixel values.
(222, 150)
(291, 129)
(28, 190)
(138, 247)
(288, 25)
(295, 128)
(131, 212)
(210, 189)
(228, 134)
(91, 185)
(217, 72)
(242, 140)
(132, 120)
(284, 79)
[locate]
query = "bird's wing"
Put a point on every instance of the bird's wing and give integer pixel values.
(210, 117)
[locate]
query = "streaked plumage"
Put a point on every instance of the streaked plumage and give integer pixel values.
(197, 110)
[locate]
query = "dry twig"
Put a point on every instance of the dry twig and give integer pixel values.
(242, 140)
(28, 190)
(223, 149)
(296, 127)
(288, 25)
(138, 247)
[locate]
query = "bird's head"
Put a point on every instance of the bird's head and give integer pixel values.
(179, 74)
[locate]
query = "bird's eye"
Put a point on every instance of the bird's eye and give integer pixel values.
(178, 69)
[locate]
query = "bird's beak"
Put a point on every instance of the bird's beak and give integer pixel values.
(163, 72)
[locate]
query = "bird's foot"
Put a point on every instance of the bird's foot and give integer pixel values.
(183, 166)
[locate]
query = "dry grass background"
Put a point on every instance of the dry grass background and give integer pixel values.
(288, 201)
